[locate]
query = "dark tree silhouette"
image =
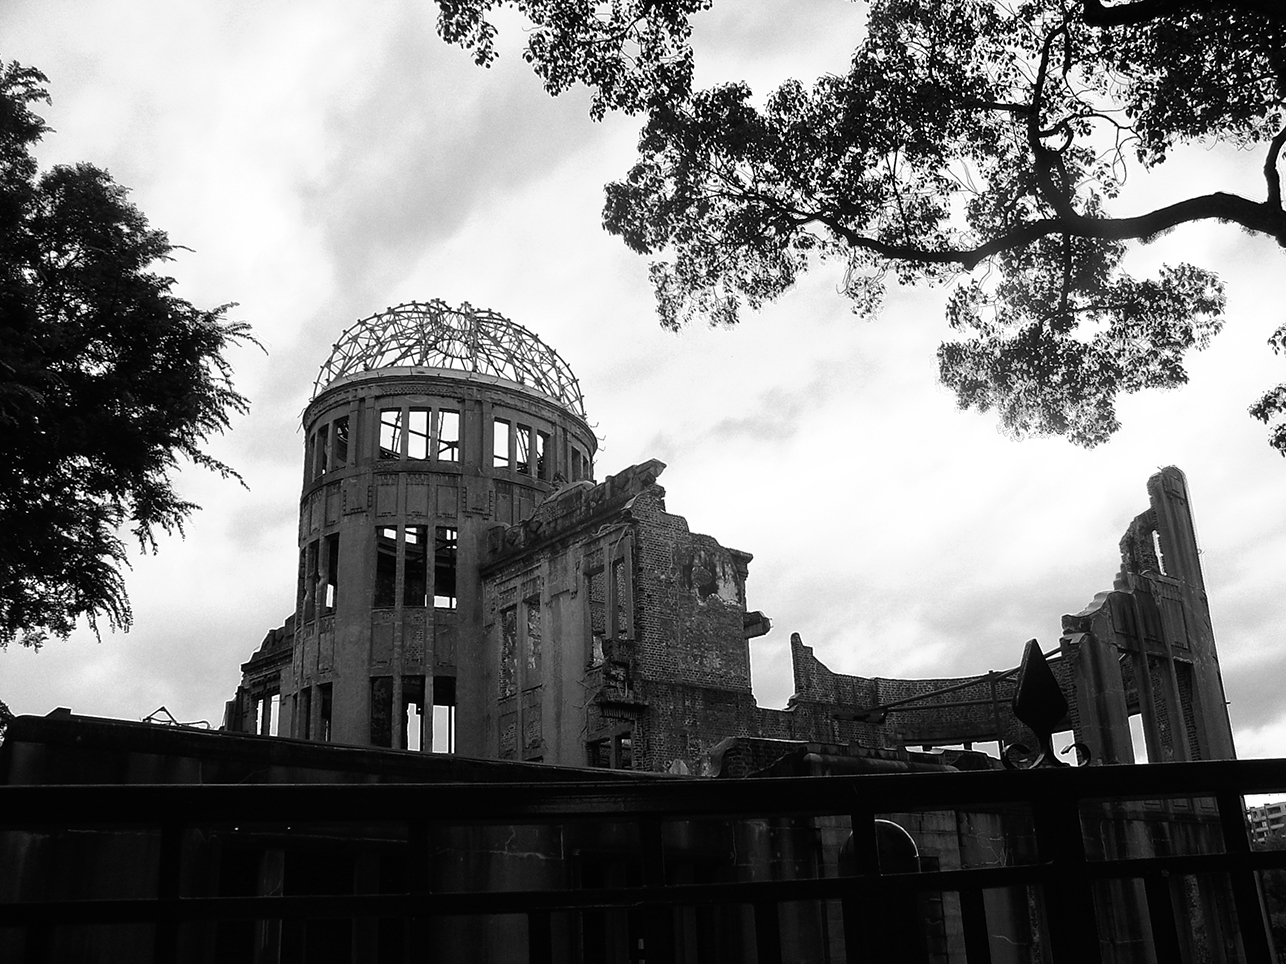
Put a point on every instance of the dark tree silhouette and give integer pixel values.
(106, 380)
(972, 141)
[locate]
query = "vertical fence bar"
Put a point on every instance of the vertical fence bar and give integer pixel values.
(1165, 936)
(166, 933)
(1069, 902)
(658, 918)
(767, 932)
(539, 937)
(417, 884)
(977, 939)
(863, 937)
(1245, 888)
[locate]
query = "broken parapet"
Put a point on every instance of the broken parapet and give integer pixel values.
(572, 507)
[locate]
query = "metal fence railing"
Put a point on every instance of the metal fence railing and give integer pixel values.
(1089, 851)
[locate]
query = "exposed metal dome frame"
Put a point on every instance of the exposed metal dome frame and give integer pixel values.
(434, 335)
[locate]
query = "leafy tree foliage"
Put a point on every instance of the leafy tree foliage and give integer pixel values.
(106, 380)
(979, 142)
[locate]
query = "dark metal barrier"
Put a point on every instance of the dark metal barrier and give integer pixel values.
(1066, 869)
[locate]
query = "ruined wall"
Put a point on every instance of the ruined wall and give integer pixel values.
(1147, 647)
(1144, 649)
(642, 626)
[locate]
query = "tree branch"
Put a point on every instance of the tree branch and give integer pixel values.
(1218, 206)
(1271, 174)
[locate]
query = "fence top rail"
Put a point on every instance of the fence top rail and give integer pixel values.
(68, 804)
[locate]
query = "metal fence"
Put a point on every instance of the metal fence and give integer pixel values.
(1072, 878)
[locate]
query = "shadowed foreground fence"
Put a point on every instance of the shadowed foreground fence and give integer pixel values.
(687, 870)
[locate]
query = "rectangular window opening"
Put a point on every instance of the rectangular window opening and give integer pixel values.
(339, 443)
(500, 444)
(390, 433)
(542, 456)
(412, 715)
(596, 588)
(310, 582)
(304, 724)
(508, 651)
(417, 433)
(385, 567)
(324, 712)
(331, 578)
(323, 450)
(444, 714)
(620, 601)
(382, 711)
(444, 567)
(522, 448)
(534, 656)
(448, 434)
(1138, 738)
(599, 754)
(577, 470)
(415, 580)
(624, 755)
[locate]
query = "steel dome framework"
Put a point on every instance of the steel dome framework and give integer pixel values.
(435, 335)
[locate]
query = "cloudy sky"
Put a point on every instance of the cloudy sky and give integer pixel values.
(325, 160)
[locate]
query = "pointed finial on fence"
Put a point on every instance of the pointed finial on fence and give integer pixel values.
(1039, 702)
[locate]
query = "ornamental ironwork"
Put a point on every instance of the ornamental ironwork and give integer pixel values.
(434, 335)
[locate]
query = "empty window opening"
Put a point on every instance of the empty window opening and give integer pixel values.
(448, 435)
(304, 723)
(578, 470)
(382, 711)
(596, 591)
(542, 455)
(522, 448)
(444, 567)
(385, 567)
(599, 754)
(310, 453)
(444, 714)
(413, 726)
(310, 582)
(412, 714)
(620, 601)
(500, 444)
(339, 441)
(615, 752)
(390, 433)
(415, 581)
(324, 712)
(417, 434)
(1138, 738)
(267, 713)
(331, 578)
(508, 650)
(322, 449)
(624, 751)
(302, 591)
(534, 655)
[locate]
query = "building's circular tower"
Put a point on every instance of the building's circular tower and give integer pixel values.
(428, 425)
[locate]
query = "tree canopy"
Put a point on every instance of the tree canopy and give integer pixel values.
(976, 142)
(107, 379)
